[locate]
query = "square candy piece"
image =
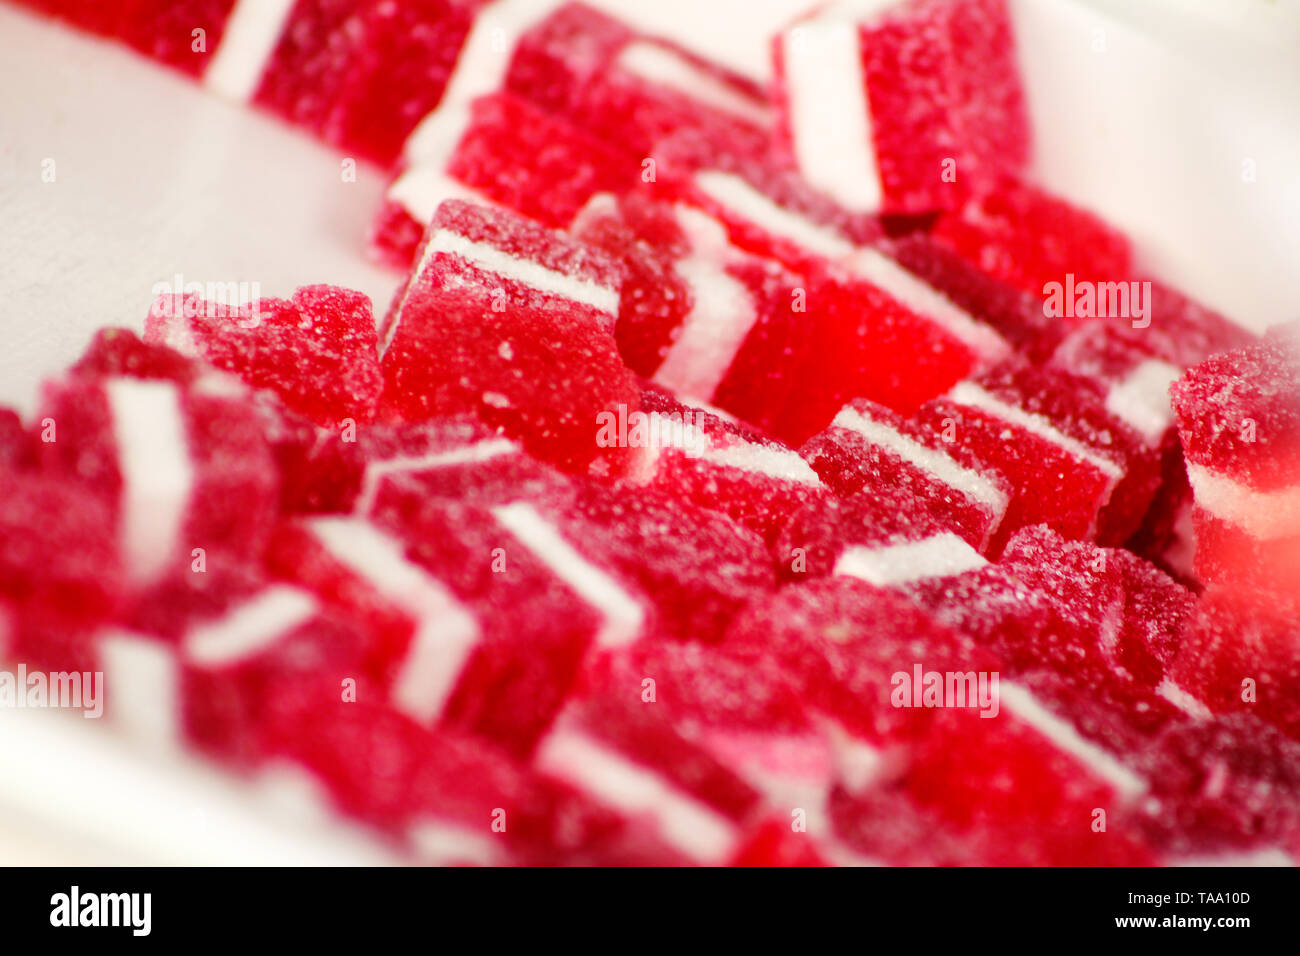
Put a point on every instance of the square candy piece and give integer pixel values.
(317, 352)
(542, 377)
(898, 107)
(513, 262)
(630, 89)
(1071, 463)
(718, 464)
(291, 57)
(1238, 416)
(398, 74)
(180, 468)
(869, 450)
(464, 628)
(701, 742)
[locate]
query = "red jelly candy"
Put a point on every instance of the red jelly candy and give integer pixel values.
(454, 353)
(316, 352)
(875, 103)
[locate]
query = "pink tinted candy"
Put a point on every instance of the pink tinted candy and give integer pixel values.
(691, 303)
(543, 377)
(181, 468)
(1132, 610)
(629, 89)
(720, 465)
(1238, 416)
(453, 458)
(874, 107)
(464, 627)
(868, 450)
(1027, 238)
(398, 74)
(739, 331)
(317, 352)
(512, 261)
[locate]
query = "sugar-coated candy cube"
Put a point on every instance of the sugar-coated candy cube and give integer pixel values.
(507, 152)
(1131, 611)
(768, 209)
(542, 376)
(317, 351)
(699, 741)
(1072, 464)
(453, 458)
(1028, 238)
(1238, 654)
(232, 666)
(841, 640)
(899, 107)
(815, 538)
(181, 468)
(513, 262)
(536, 164)
(291, 57)
(207, 666)
(719, 464)
(1026, 786)
(398, 73)
(58, 551)
(654, 564)
(464, 627)
(449, 798)
(1230, 783)
(627, 88)
(869, 450)
(1238, 417)
(781, 349)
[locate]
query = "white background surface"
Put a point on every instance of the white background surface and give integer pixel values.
(1145, 110)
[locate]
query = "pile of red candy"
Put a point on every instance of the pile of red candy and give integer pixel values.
(717, 487)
